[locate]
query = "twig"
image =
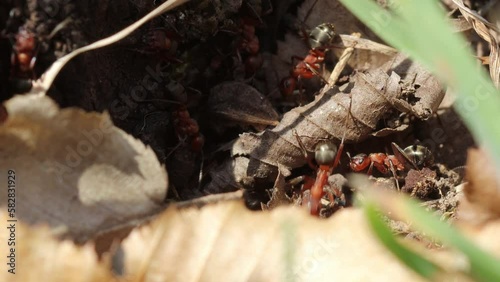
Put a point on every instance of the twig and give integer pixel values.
(339, 67)
(210, 199)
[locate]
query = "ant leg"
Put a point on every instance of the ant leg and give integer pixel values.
(179, 144)
(301, 90)
(341, 146)
(304, 150)
(145, 117)
(295, 58)
(330, 193)
(310, 10)
(370, 169)
(32, 66)
(313, 70)
(308, 184)
(335, 195)
(393, 170)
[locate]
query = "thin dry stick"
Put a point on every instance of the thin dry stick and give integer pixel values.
(339, 67)
(210, 199)
(348, 40)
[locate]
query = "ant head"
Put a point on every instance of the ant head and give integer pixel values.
(359, 162)
(322, 36)
(325, 152)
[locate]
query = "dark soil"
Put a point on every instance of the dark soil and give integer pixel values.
(144, 85)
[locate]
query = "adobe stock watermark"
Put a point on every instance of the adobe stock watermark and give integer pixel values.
(468, 106)
(384, 17)
(470, 103)
(323, 249)
(52, 8)
(89, 140)
(149, 83)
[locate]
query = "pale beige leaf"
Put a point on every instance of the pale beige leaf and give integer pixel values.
(39, 256)
(75, 169)
(226, 242)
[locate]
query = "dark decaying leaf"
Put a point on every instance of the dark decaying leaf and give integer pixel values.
(75, 169)
(241, 104)
(399, 85)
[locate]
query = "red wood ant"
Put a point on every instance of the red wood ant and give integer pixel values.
(163, 42)
(187, 128)
(320, 39)
(249, 44)
(327, 157)
(413, 156)
(23, 60)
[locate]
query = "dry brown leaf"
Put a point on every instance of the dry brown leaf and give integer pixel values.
(226, 242)
(39, 256)
(488, 32)
(279, 196)
(353, 115)
(75, 169)
(482, 191)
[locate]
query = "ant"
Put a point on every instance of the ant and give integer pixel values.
(247, 45)
(163, 42)
(327, 157)
(187, 128)
(413, 156)
(23, 60)
(320, 39)
(250, 44)
(25, 47)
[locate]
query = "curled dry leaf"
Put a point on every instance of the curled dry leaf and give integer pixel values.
(371, 97)
(242, 104)
(279, 196)
(488, 32)
(226, 242)
(39, 254)
(482, 190)
(75, 169)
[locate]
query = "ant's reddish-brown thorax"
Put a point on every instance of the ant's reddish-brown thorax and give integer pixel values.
(382, 162)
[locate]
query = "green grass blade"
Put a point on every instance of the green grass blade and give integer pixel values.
(412, 259)
(418, 28)
(483, 266)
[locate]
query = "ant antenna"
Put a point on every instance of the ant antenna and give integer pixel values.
(309, 12)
